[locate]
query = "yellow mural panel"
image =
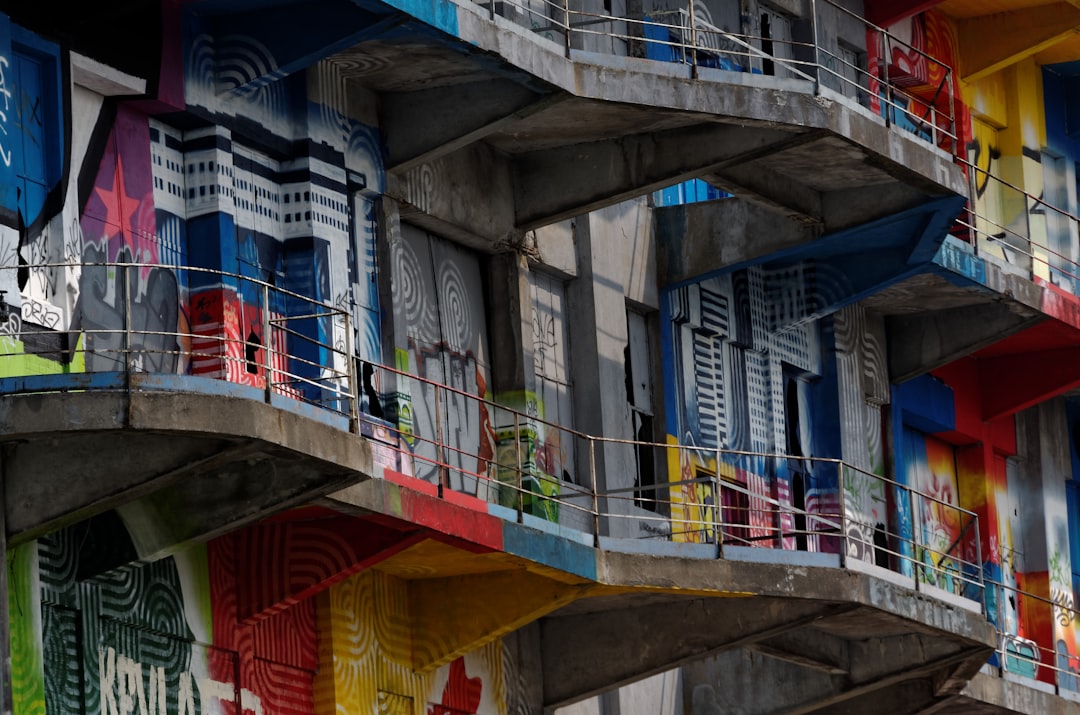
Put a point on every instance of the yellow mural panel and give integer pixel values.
(987, 101)
(365, 658)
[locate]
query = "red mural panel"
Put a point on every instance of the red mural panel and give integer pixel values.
(281, 564)
(461, 696)
(229, 342)
(119, 214)
(277, 657)
(906, 65)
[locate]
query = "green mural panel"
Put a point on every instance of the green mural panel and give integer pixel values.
(62, 645)
(27, 667)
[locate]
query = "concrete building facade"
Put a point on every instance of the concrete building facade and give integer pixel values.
(452, 357)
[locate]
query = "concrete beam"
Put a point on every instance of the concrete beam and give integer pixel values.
(446, 622)
(577, 651)
(992, 693)
(465, 195)
(1018, 34)
(858, 205)
(425, 125)
(920, 342)
(292, 37)
(1010, 383)
(772, 190)
(695, 239)
(189, 465)
(808, 648)
(554, 184)
(905, 676)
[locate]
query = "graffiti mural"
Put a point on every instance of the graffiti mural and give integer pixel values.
(437, 288)
(927, 35)
(368, 656)
(745, 348)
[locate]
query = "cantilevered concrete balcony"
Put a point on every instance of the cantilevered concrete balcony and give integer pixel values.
(180, 436)
(492, 129)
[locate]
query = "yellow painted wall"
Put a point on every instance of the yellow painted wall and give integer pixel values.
(1008, 132)
(365, 655)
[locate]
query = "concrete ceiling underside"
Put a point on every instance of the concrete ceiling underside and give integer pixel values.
(631, 128)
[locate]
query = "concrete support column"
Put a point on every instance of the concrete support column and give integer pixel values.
(1042, 440)
(388, 240)
(616, 262)
(511, 321)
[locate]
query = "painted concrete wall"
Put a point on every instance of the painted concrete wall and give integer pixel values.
(173, 636)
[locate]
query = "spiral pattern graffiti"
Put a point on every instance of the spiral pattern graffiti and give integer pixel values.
(409, 292)
(454, 307)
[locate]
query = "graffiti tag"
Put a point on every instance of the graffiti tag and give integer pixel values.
(5, 153)
(126, 691)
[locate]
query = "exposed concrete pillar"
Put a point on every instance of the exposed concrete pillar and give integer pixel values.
(389, 236)
(510, 319)
(1042, 441)
(616, 263)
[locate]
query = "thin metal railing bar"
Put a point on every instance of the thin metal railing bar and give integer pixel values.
(202, 353)
(886, 33)
(1042, 202)
(447, 465)
(277, 290)
(1019, 249)
(781, 507)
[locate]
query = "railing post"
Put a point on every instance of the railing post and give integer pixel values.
(979, 563)
(957, 148)
(817, 46)
(127, 322)
(884, 77)
(439, 461)
(595, 493)
(693, 38)
(718, 503)
(842, 501)
(353, 382)
(1001, 624)
(268, 345)
(517, 449)
(566, 25)
(915, 556)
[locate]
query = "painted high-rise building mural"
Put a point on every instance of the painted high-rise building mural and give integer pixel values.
(431, 407)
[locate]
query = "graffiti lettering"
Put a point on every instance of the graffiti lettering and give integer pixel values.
(11, 326)
(39, 313)
(543, 339)
(467, 428)
(125, 690)
(5, 93)
(984, 160)
(154, 310)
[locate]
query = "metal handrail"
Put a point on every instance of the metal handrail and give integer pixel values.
(675, 517)
(685, 38)
(125, 348)
(1045, 657)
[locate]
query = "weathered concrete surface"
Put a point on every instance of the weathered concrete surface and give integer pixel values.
(838, 638)
(920, 342)
(722, 233)
(184, 465)
(553, 136)
(990, 694)
(825, 640)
